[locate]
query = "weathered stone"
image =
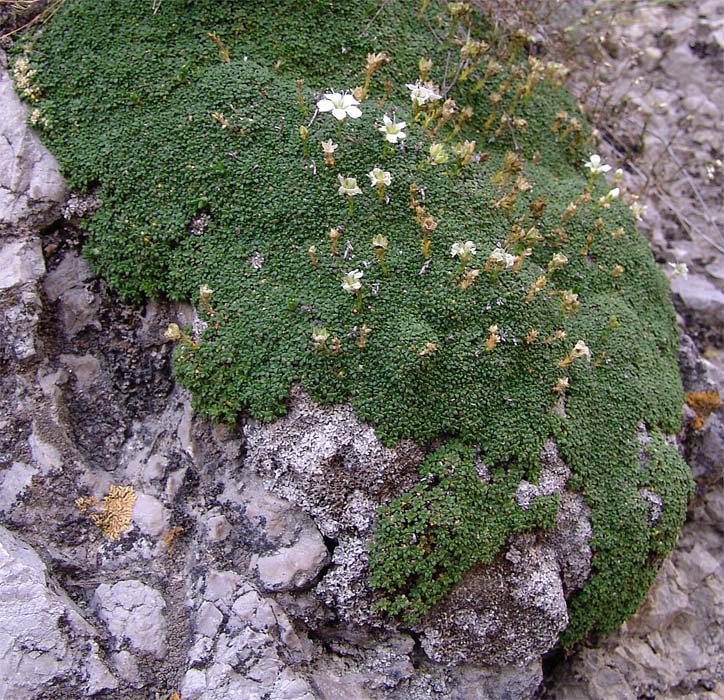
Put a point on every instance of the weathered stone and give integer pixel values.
(150, 515)
(700, 296)
(43, 636)
(218, 528)
(31, 187)
(508, 612)
(294, 567)
(21, 261)
(66, 283)
(220, 586)
(322, 458)
(126, 666)
(46, 455)
(134, 612)
(251, 638)
(511, 683)
(85, 368)
(99, 677)
(345, 584)
(208, 619)
(13, 481)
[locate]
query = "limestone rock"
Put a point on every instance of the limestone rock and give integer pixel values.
(296, 566)
(31, 187)
(21, 261)
(67, 283)
(13, 481)
(508, 612)
(150, 515)
(44, 641)
(242, 646)
(700, 296)
(322, 458)
(134, 612)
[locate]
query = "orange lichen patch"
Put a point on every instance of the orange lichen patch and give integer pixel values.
(704, 404)
(113, 517)
(170, 536)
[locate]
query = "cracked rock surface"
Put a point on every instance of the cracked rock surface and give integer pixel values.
(31, 187)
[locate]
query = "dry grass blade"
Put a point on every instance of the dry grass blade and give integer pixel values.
(23, 6)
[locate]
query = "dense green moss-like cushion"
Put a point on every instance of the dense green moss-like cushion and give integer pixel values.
(500, 278)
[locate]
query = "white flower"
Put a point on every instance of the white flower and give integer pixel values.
(500, 257)
(595, 165)
(329, 147)
(351, 281)
(613, 194)
(340, 105)
(638, 210)
(679, 269)
(421, 94)
(379, 177)
(392, 130)
(464, 251)
(348, 186)
(580, 349)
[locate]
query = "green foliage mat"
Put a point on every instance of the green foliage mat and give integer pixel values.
(187, 122)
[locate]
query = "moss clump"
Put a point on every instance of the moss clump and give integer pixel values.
(432, 535)
(187, 121)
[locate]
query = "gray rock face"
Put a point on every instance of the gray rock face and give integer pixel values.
(21, 261)
(325, 460)
(134, 612)
(67, 282)
(701, 297)
(510, 612)
(243, 646)
(31, 187)
(294, 567)
(44, 640)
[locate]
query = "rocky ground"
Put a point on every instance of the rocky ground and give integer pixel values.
(193, 565)
(651, 77)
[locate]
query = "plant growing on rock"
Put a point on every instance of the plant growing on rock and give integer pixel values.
(455, 352)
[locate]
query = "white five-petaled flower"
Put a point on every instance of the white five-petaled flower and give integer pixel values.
(464, 251)
(341, 105)
(595, 165)
(348, 186)
(421, 94)
(580, 349)
(500, 257)
(351, 281)
(379, 177)
(329, 147)
(679, 269)
(393, 131)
